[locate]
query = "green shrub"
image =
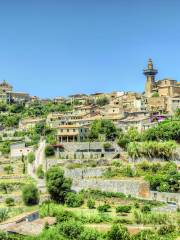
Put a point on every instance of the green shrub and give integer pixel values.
(94, 217)
(145, 235)
(74, 199)
(164, 131)
(30, 195)
(146, 208)
(107, 145)
(123, 209)
(71, 229)
(116, 163)
(97, 194)
(136, 205)
(48, 208)
(90, 234)
(120, 171)
(10, 202)
(155, 94)
(8, 169)
(31, 157)
(150, 218)
(91, 203)
(40, 172)
(5, 147)
(118, 232)
(166, 229)
(49, 151)
(132, 135)
(165, 179)
(65, 216)
(123, 221)
(4, 214)
(104, 208)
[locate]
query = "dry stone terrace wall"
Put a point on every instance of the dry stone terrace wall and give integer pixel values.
(135, 188)
(64, 162)
(166, 197)
(85, 172)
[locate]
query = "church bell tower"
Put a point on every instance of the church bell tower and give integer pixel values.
(150, 74)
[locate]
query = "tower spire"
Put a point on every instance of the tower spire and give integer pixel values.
(150, 74)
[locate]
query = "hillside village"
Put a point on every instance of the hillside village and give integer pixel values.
(91, 162)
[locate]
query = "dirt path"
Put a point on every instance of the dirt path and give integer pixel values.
(39, 159)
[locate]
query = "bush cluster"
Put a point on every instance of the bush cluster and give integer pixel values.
(74, 199)
(104, 208)
(91, 203)
(123, 209)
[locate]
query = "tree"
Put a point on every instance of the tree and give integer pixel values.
(16, 108)
(102, 101)
(132, 135)
(8, 169)
(155, 94)
(166, 130)
(58, 186)
(5, 147)
(49, 151)
(3, 107)
(11, 121)
(118, 232)
(5, 187)
(104, 127)
(39, 128)
(166, 178)
(30, 195)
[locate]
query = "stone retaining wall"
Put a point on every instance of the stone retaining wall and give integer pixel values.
(135, 188)
(85, 172)
(64, 162)
(166, 197)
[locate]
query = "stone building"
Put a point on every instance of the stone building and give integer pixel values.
(5, 87)
(173, 104)
(7, 94)
(19, 149)
(157, 104)
(80, 98)
(71, 133)
(163, 88)
(28, 123)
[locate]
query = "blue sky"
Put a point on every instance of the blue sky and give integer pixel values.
(59, 47)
